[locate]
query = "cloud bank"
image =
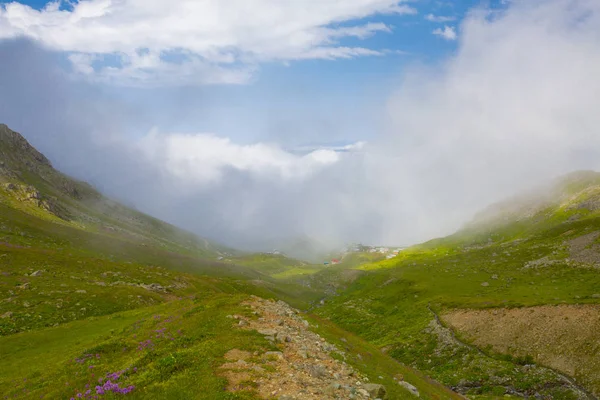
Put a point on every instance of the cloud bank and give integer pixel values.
(153, 42)
(516, 105)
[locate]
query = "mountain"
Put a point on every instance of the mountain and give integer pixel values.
(30, 183)
(577, 190)
(100, 301)
(507, 306)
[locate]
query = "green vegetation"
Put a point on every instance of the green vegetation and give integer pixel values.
(98, 299)
(91, 290)
(166, 351)
(524, 260)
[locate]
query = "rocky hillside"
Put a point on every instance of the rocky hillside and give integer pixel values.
(29, 183)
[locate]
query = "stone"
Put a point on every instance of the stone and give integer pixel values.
(410, 388)
(7, 314)
(596, 296)
(154, 287)
(317, 371)
(242, 322)
(375, 390)
(283, 338)
(36, 273)
(485, 284)
(267, 332)
(303, 354)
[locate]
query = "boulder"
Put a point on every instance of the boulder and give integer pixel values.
(410, 388)
(375, 390)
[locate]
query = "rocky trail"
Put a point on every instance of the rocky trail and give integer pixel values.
(305, 367)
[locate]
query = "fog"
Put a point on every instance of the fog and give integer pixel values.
(515, 106)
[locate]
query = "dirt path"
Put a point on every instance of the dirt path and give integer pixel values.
(304, 368)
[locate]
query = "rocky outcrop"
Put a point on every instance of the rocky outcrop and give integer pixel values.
(29, 194)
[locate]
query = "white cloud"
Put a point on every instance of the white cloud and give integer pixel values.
(448, 33)
(515, 105)
(439, 18)
(208, 41)
(207, 158)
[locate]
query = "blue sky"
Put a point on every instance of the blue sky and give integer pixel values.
(298, 102)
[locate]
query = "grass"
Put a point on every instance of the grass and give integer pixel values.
(111, 294)
(169, 351)
(101, 289)
(382, 368)
(388, 304)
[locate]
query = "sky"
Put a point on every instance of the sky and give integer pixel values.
(253, 122)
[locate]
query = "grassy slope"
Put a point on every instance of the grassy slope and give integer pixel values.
(64, 314)
(29, 182)
(86, 283)
(388, 304)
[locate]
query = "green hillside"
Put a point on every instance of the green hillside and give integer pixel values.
(92, 291)
(100, 301)
(521, 283)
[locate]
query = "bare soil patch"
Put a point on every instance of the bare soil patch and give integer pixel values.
(565, 337)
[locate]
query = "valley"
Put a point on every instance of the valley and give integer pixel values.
(101, 301)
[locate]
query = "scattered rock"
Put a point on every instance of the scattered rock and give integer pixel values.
(485, 284)
(283, 338)
(268, 332)
(36, 273)
(154, 287)
(303, 368)
(317, 371)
